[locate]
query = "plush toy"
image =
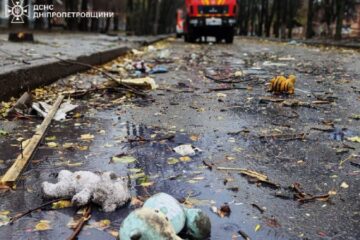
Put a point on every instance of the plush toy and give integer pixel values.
(162, 218)
(104, 189)
(282, 84)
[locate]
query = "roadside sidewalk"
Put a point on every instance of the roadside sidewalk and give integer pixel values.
(25, 66)
(346, 43)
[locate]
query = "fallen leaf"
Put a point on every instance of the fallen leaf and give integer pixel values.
(82, 148)
(185, 159)
(87, 137)
(101, 225)
(355, 116)
(146, 184)
(52, 144)
(61, 204)
(137, 175)
(344, 185)
(257, 227)
(68, 145)
(3, 133)
(43, 225)
(53, 138)
(123, 159)
(172, 161)
(354, 139)
(113, 233)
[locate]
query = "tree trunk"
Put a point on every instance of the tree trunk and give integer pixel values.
(84, 21)
(278, 18)
(269, 20)
(310, 16)
(262, 17)
(284, 18)
(157, 17)
(340, 9)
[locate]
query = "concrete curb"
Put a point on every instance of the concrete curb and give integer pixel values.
(43, 72)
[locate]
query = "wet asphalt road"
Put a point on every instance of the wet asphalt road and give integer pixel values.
(229, 126)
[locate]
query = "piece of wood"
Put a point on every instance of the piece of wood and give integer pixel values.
(146, 83)
(22, 104)
(13, 173)
(79, 226)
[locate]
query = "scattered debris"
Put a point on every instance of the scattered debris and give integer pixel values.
(142, 83)
(22, 160)
(224, 210)
(22, 106)
(81, 223)
(244, 235)
(258, 208)
(159, 70)
(187, 150)
(252, 174)
(20, 215)
(303, 197)
(42, 108)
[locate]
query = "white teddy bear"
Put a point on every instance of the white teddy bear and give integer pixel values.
(104, 189)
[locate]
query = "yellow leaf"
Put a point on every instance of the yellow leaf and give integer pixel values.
(82, 148)
(4, 212)
(146, 184)
(68, 145)
(61, 204)
(123, 159)
(185, 159)
(137, 175)
(257, 227)
(43, 225)
(354, 139)
(113, 233)
(87, 137)
(52, 144)
(172, 161)
(53, 138)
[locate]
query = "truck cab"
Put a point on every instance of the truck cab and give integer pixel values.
(215, 18)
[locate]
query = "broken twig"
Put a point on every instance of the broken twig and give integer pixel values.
(20, 215)
(85, 217)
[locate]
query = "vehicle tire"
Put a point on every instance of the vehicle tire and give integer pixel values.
(191, 38)
(178, 35)
(230, 38)
(186, 38)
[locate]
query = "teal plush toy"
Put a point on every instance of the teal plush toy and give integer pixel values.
(162, 217)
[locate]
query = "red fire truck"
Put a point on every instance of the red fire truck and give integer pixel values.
(210, 18)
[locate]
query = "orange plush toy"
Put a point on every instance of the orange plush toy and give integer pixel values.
(281, 84)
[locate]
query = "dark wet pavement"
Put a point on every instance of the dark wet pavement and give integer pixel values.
(228, 126)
